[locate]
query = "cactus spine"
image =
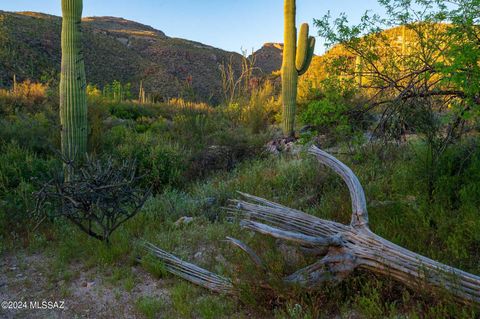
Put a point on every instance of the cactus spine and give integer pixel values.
(296, 60)
(73, 98)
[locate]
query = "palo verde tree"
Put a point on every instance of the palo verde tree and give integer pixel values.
(73, 99)
(420, 69)
(427, 65)
(296, 60)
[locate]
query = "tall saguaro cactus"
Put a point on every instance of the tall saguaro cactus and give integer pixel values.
(73, 99)
(296, 61)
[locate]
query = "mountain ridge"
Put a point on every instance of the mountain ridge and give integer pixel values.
(114, 49)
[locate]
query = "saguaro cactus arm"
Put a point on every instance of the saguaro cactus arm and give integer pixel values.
(73, 99)
(309, 57)
(342, 248)
(305, 50)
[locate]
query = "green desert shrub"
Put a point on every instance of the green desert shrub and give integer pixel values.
(227, 148)
(130, 111)
(338, 110)
(161, 163)
(194, 128)
(32, 132)
(20, 170)
(458, 175)
(256, 111)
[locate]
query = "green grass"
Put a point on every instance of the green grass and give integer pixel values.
(150, 307)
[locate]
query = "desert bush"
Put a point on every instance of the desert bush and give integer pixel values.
(454, 179)
(25, 96)
(256, 110)
(190, 106)
(165, 164)
(338, 110)
(33, 132)
(98, 196)
(161, 162)
(19, 170)
(130, 111)
(226, 149)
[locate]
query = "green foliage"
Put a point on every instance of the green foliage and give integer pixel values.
(160, 163)
(18, 169)
(150, 307)
(258, 111)
(130, 111)
(73, 245)
(32, 132)
(332, 112)
(295, 311)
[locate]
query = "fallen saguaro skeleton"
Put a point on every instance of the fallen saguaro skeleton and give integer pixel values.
(341, 248)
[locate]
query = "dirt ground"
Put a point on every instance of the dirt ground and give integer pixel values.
(87, 294)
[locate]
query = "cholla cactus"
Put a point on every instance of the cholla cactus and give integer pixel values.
(73, 98)
(296, 60)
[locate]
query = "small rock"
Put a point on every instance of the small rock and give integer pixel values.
(198, 255)
(184, 221)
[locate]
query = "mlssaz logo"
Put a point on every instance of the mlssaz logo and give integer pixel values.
(47, 305)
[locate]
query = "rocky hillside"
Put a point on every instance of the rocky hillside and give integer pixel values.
(269, 57)
(115, 49)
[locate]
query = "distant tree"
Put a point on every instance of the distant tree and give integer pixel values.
(430, 64)
(423, 75)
